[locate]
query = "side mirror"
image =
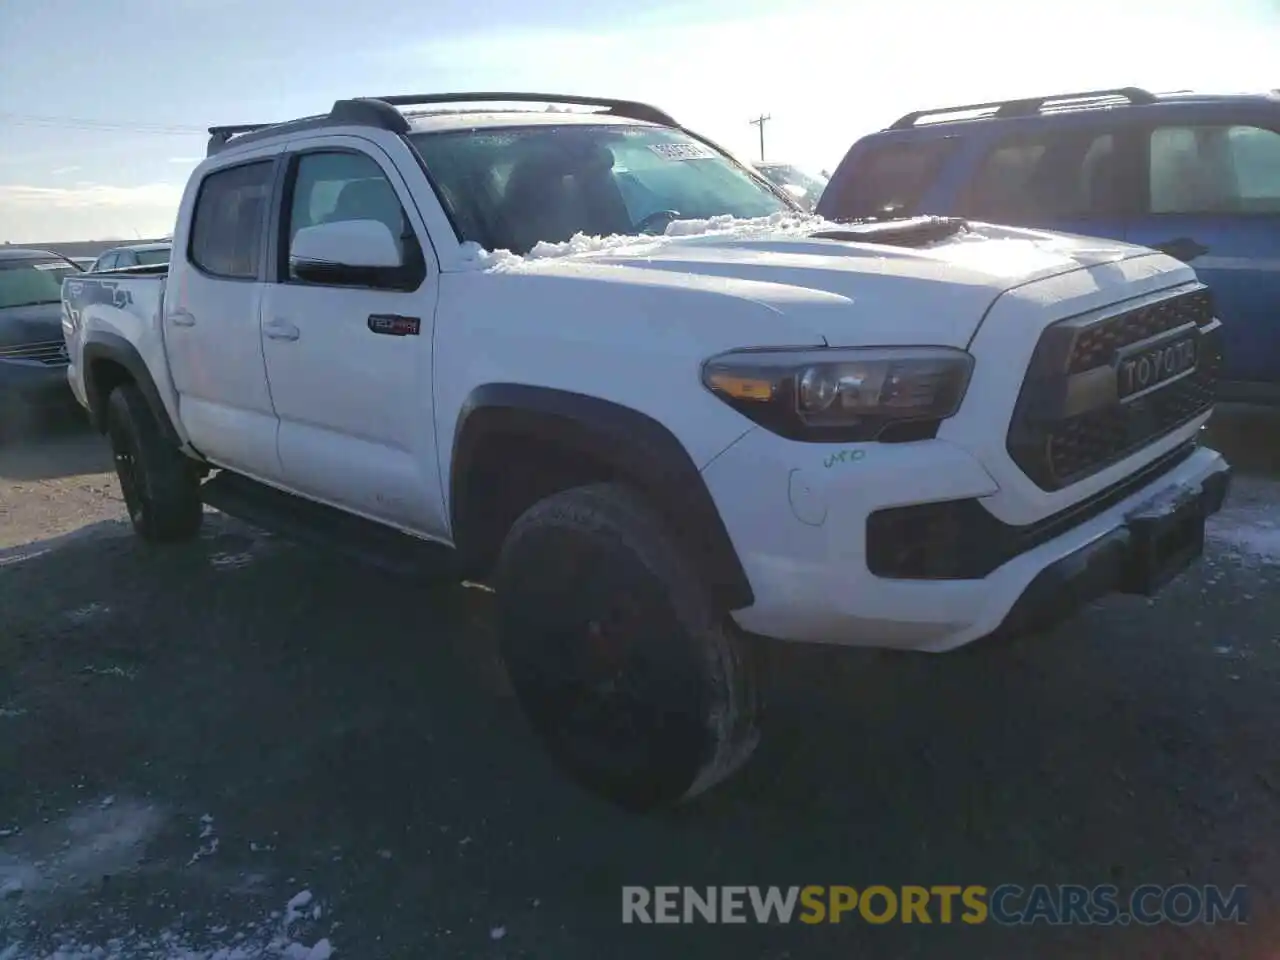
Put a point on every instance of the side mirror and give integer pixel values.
(346, 253)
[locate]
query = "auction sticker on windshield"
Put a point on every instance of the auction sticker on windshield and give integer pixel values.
(682, 151)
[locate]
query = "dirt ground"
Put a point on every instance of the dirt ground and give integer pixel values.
(240, 748)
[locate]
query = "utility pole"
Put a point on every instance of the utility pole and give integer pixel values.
(760, 121)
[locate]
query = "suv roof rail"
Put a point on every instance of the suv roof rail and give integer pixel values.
(382, 112)
(1029, 106)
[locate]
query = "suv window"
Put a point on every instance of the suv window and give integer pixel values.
(888, 179)
(1215, 169)
(105, 262)
(1063, 173)
(226, 230)
(151, 258)
(334, 186)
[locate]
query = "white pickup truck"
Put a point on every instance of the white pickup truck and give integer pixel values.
(591, 360)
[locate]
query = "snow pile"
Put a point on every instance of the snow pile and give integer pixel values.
(271, 939)
(775, 226)
(1247, 530)
(1248, 533)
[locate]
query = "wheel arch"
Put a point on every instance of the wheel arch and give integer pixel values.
(566, 439)
(109, 360)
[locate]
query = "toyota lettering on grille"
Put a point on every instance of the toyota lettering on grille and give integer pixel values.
(1145, 367)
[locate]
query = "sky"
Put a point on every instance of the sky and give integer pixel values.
(103, 103)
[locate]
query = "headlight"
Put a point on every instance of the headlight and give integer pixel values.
(837, 394)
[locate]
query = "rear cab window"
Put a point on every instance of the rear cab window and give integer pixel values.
(886, 179)
(229, 221)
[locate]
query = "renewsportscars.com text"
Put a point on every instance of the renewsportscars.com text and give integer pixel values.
(1007, 904)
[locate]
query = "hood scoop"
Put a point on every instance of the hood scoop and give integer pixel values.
(905, 232)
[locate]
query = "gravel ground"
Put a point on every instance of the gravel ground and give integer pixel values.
(242, 745)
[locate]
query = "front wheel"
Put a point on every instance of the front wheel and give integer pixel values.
(161, 486)
(641, 690)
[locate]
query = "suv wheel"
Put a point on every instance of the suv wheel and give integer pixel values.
(641, 690)
(160, 484)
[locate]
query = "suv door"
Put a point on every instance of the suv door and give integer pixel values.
(349, 359)
(1211, 196)
(1076, 178)
(211, 330)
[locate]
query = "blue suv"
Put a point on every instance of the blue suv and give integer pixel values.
(1194, 175)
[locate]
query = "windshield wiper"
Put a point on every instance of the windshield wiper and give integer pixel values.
(32, 303)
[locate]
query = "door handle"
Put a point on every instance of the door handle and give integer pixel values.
(182, 318)
(1182, 248)
(281, 330)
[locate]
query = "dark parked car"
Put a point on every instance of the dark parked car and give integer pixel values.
(33, 352)
(1194, 175)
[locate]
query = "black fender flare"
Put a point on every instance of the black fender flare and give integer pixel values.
(100, 345)
(639, 449)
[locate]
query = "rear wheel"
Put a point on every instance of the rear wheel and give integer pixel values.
(161, 486)
(641, 690)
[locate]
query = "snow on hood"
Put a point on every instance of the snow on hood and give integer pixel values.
(978, 248)
(776, 226)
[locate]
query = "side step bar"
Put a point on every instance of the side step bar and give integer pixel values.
(296, 518)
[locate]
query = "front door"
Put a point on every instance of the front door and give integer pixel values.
(211, 322)
(1212, 195)
(350, 365)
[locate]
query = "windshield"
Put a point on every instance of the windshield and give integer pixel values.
(28, 282)
(510, 188)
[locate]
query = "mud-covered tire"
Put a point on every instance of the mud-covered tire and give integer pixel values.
(161, 486)
(639, 687)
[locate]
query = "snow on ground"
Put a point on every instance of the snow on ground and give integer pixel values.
(45, 865)
(1248, 528)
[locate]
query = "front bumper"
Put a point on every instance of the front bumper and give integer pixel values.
(797, 515)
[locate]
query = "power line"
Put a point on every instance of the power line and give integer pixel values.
(760, 121)
(107, 126)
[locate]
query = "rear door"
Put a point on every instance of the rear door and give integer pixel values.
(211, 324)
(1211, 196)
(1071, 177)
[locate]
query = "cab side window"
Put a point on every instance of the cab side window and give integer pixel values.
(337, 186)
(229, 221)
(1215, 170)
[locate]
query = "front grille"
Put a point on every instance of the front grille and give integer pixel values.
(1070, 422)
(962, 540)
(52, 353)
(1095, 345)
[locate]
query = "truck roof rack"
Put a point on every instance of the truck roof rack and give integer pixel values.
(1030, 106)
(383, 113)
(630, 109)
